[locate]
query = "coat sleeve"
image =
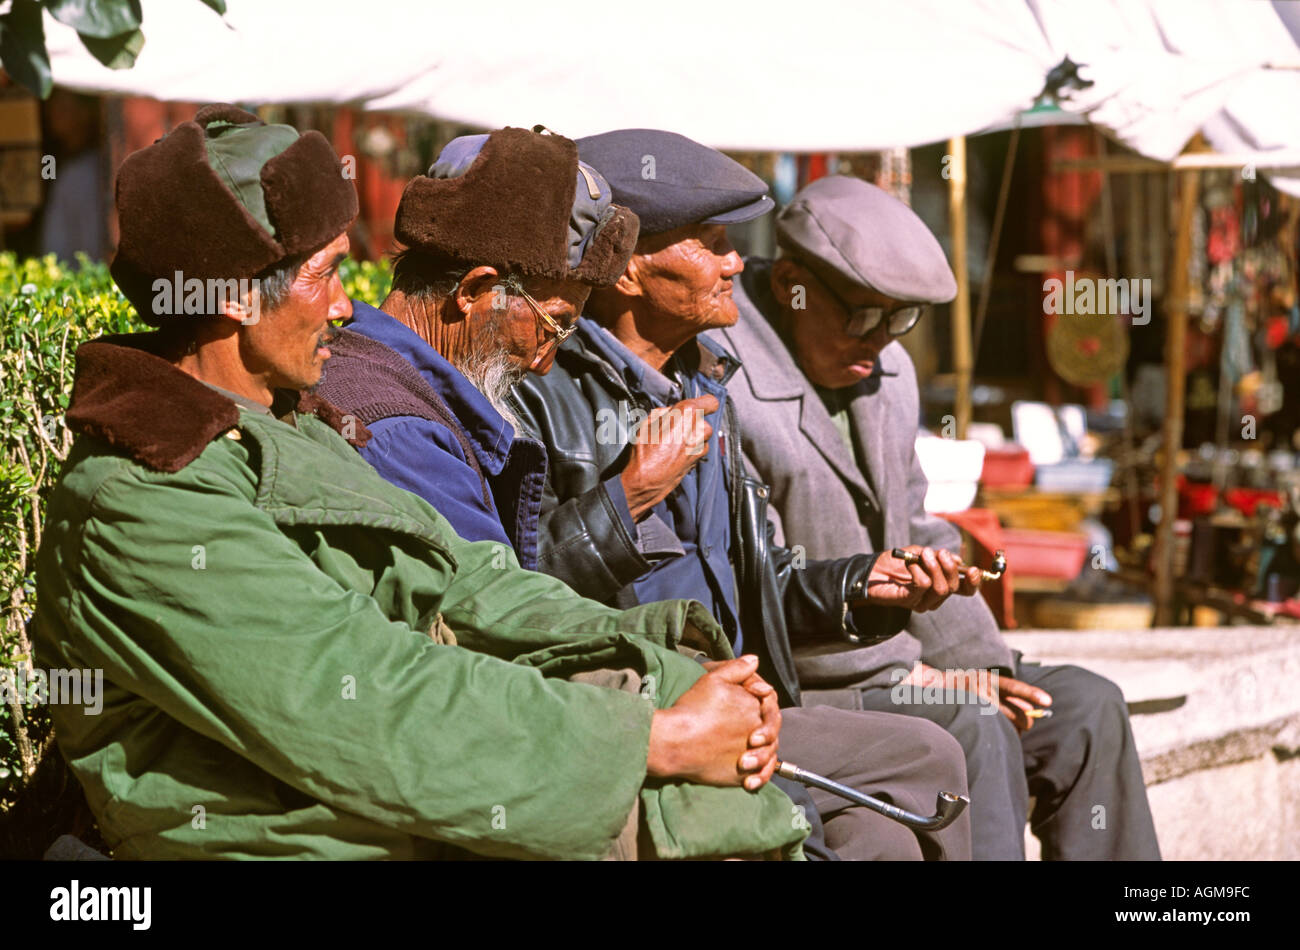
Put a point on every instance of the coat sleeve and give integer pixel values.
(255, 647)
(587, 540)
(961, 633)
(817, 594)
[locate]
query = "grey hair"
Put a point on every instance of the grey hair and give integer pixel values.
(421, 275)
(274, 283)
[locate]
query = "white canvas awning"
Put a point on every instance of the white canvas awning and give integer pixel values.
(812, 76)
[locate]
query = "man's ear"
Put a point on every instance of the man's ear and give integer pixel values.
(483, 281)
(245, 310)
(786, 274)
(629, 282)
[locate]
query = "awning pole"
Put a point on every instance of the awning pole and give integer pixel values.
(1175, 387)
(962, 358)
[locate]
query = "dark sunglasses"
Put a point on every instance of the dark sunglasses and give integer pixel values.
(863, 321)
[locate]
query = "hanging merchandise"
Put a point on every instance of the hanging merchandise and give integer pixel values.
(1268, 399)
(1223, 241)
(1237, 357)
(1196, 276)
(1087, 348)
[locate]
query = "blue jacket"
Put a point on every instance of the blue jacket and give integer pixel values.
(433, 433)
(692, 558)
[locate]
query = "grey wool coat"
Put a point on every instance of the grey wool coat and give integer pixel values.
(824, 501)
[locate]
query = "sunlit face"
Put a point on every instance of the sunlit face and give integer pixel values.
(685, 276)
(508, 323)
(828, 355)
(289, 345)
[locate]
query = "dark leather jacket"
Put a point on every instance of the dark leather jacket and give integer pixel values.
(584, 541)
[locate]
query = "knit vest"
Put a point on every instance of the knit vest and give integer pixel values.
(374, 382)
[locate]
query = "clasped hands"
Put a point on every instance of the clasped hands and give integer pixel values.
(724, 730)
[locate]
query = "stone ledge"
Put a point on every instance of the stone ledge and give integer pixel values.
(1214, 684)
(1281, 738)
(1221, 757)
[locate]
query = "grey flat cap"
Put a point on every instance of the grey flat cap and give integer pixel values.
(851, 230)
(669, 180)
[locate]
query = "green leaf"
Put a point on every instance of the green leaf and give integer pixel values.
(101, 19)
(218, 5)
(116, 52)
(22, 47)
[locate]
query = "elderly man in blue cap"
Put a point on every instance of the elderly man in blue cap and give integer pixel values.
(830, 405)
(648, 498)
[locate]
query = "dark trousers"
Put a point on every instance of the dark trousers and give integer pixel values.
(900, 759)
(1080, 766)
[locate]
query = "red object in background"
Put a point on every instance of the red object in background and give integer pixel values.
(1276, 330)
(1007, 468)
(1054, 554)
(1196, 498)
(985, 532)
(378, 191)
(1246, 500)
(812, 167)
(1069, 201)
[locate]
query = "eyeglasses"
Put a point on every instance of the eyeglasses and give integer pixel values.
(863, 321)
(561, 333)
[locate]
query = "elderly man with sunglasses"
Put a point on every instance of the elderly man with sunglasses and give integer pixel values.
(830, 406)
(647, 497)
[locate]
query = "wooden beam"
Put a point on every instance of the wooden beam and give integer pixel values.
(1119, 164)
(962, 358)
(1175, 387)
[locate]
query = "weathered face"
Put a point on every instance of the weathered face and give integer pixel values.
(506, 322)
(685, 276)
(823, 348)
(289, 344)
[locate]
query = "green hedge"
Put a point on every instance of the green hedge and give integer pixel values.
(46, 311)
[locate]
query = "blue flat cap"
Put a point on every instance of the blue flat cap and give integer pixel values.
(849, 231)
(670, 181)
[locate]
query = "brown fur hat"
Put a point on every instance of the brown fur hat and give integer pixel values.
(520, 201)
(200, 199)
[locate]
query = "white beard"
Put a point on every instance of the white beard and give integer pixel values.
(493, 374)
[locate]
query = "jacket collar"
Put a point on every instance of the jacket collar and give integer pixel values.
(773, 374)
(490, 434)
(126, 394)
(594, 345)
(771, 369)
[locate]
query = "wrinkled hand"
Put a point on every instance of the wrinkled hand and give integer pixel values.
(719, 731)
(919, 587)
(764, 740)
(1014, 698)
(668, 444)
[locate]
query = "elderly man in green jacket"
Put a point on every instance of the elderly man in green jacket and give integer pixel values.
(301, 660)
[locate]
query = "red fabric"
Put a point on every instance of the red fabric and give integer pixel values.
(985, 532)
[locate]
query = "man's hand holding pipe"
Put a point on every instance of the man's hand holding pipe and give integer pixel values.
(919, 586)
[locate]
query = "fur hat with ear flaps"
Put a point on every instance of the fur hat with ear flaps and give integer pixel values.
(519, 201)
(225, 197)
